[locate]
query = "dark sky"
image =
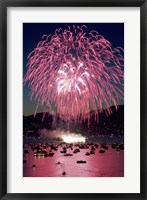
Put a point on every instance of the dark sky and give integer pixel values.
(33, 32)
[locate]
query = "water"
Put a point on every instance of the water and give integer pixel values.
(108, 164)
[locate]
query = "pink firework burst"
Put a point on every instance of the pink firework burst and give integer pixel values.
(76, 72)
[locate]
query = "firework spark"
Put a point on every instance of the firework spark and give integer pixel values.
(76, 72)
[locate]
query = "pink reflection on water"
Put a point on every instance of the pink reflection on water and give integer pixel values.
(108, 164)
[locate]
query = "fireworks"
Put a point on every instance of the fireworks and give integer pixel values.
(73, 138)
(74, 72)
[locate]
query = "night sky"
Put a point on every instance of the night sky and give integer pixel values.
(33, 32)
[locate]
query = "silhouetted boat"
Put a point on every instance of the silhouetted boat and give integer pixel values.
(104, 146)
(63, 151)
(26, 151)
(102, 151)
(68, 154)
(64, 173)
(76, 151)
(92, 152)
(96, 145)
(81, 161)
(58, 163)
(50, 154)
(93, 148)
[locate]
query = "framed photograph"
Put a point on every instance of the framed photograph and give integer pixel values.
(73, 93)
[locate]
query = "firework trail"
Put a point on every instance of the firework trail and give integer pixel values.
(74, 72)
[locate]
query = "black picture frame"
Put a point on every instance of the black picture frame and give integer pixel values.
(4, 4)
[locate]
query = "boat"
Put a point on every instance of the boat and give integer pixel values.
(58, 163)
(96, 145)
(76, 151)
(68, 154)
(87, 154)
(83, 146)
(34, 165)
(92, 152)
(102, 151)
(104, 146)
(64, 173)
(81, 161)
(93, 148)
(64, 150)
(117, 149)
(26, 151)
(50, 154)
